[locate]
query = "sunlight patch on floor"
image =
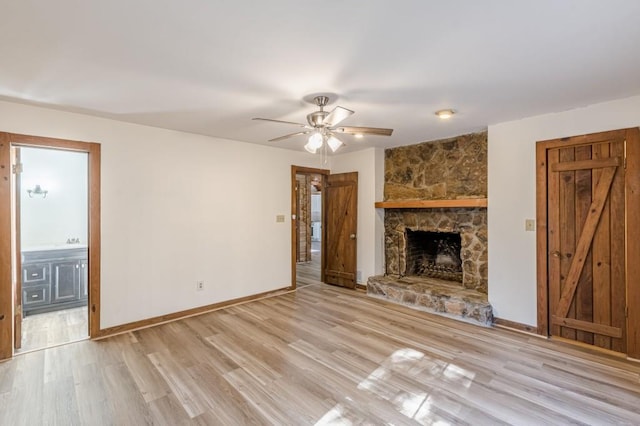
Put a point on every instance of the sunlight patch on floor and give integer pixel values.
(388, 385)
(335, 416)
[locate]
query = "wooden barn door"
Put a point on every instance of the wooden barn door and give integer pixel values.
(588, 249)
(340, 229)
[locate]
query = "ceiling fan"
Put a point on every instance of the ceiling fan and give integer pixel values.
(323, 126)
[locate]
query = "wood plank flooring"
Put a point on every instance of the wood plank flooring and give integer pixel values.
(320, 355)
(309, 272)
(54, 328)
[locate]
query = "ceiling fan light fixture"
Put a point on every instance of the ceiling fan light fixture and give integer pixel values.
(309, 148)
(334, 143)
(358, 136)
(445, 114)
(315, 140)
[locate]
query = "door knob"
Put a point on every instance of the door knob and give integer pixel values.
(556, 253)
(352, 236)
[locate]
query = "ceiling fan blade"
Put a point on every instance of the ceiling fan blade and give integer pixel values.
(281, 121)
(364, 131)
(337, 115)
(289, 136)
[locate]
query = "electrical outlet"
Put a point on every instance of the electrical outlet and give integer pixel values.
(529, 225)
(199, 285)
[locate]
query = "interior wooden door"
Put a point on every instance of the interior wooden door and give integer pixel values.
(17, 252)
(341, 225)
(586, 242)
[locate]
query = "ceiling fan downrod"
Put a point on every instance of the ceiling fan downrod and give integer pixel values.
(321, 101)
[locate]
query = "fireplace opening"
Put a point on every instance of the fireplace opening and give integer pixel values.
(434, 254)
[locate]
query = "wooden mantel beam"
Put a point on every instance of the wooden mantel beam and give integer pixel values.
(431, 204)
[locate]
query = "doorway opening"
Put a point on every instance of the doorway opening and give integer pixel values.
(61, 280)
(52, 215)
(307, 228)
(338, 226)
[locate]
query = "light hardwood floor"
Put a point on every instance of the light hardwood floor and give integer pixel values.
(320, 355)
(308, 273)
(54, 328)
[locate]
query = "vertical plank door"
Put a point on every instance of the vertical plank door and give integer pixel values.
(586, 243)
(341, 227)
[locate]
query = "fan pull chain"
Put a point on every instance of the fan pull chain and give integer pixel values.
(324, 155)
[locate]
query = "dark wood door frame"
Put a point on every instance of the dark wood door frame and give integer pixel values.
(298, 170)
(6, 283)
(632, 213)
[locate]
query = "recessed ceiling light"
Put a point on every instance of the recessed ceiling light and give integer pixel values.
(358, 136)
(444, 114)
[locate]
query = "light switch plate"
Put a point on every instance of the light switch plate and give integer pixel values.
(529, 225)
(280, 218)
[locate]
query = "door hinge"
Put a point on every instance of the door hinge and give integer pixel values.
(626, 311)
(17, 168)
(624, 155)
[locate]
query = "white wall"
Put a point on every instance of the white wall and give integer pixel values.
(369, 164)
(63, 213)
(512, 173)
(178, 208)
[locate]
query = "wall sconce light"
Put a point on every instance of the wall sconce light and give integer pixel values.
(38, 191)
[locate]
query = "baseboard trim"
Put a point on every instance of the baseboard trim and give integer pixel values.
(361, 287)
(163, 319)
(512, 325)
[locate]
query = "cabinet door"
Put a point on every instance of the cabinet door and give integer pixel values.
(66, 281)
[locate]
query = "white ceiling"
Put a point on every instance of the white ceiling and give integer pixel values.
(208, 67)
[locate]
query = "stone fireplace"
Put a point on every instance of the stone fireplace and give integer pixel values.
(436, 228)
(453, 245)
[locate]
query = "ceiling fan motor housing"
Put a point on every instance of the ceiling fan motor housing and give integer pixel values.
(316, 119)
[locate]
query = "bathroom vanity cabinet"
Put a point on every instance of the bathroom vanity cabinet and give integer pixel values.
(54, 279)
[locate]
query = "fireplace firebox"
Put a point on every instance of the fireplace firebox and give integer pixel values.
(434, 254)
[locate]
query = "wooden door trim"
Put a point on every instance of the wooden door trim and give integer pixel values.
(6, 299)
(6, 290)
(299, 170)
(632, 215)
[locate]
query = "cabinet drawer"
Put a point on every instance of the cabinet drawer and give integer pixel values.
(35, 296)
(37, 273)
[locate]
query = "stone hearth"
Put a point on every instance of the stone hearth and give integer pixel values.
(435, 296)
